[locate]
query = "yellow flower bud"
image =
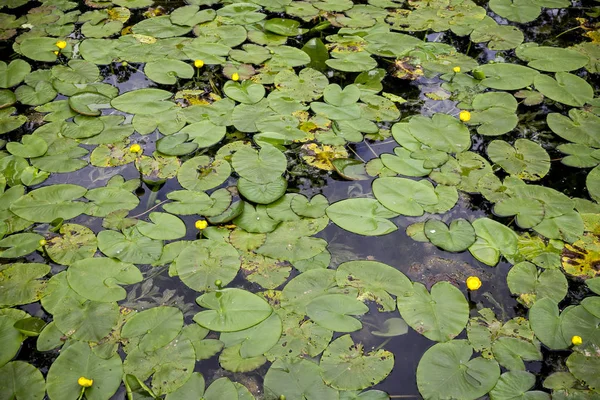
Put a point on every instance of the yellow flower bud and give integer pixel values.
(576, 340)
(464, 116)
(124, 64)
(235, 76)
(473, 283)
(135, 148)
(61, 44)
(55, 52)
(85, 382)
(198, 63)
(42, 242)
(456, 69)
(201, 224)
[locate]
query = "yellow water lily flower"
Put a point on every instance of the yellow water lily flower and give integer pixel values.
(124, 63)
(42, 242)
(456, 69)
(85, 382)
(55, 52)
(198, 63)
(201, 224)
(235, 76)
(576, 340)
(61, 44)
(135, 148)
(473, 283)
(464, 116)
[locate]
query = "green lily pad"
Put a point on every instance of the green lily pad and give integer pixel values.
(567, 88)
(205, 262)
(332, 311)
(256, 340)
(440, 315)
(585, 367)
(507, 76)
(167, 71)
(75, 242)
(164, 226)
(49, 203)
(459, 236)
(577, 127)
(527, 160)
(89, 321)
(21, 283)
(14, 73)
(546, 323)
(404, 196)
(98, 279)
(155, 327)
(261, 166)
(516, 384)
(79, 360)
(246, 92)
(231, 310)
(362, 216)
(19, 245)
(448, 368)
(493, 239)
(130, 246)
(375, 281)
(553, 59)
(531, 285)
(20, 380)
(200, 173)
(358, 370)
(143, 101)
(296, 379)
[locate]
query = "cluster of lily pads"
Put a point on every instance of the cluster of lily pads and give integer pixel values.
(241, 99)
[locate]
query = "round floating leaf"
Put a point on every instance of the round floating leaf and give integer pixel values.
(14, 73)
(577, 320)
(231, 360)
(568, 89)
(521, 11)
(351, 62)
(19, 380)
(164, 226)
(527, 160)
(307, 86)
(190, 390)
(231, 310)
(39, 48)
(578, 127)
(262, 193)
(89, 104)
(51, 202)
(19, 245)
(441, 132)
(21, 283)
(448, 368)
(160, 27)
(246, 92)
(529, 213)
(200, 173)
(345, 367)
(546, 323)
(439, 316)
(362, 216)
(77, 72)
(99, 278)
(170, 366)
(296, 379)
(255, 340)
(404, 196)
(592, 182)
(531, 285)
(585, 368)
(79, 360)
(392, 327)
(332, 311)
(30, 146)
(157, 327)
(9, 122)
(261, 166)
(493, 239)
(314, 208)
(167, 71)
(40, 93)
(76, 242)
(207, 261)
(143, 101)
(89, 321)
(553, 59)
(130, 246)
(457, 237)
(515, 385)
(507, 76)
(375, 281)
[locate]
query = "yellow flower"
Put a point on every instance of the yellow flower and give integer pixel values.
(135, 148)
(198, 63)
(235, 76)
(55, 52)
(473, 283)
(456, 69)
(85, 382)
(201, 224)
(61, 44)
(124, 64)
(42, 242)
(576, 340)
(464, 116)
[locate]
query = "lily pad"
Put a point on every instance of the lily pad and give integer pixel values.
(333, 312)
(362, 216)
(155, 327)
(459, 236)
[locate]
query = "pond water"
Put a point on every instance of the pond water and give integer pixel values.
(302, 200)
